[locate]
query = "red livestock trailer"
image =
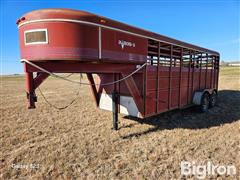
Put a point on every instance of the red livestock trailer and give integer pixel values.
(139, 73)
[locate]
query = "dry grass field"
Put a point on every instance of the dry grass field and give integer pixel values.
(78, 142)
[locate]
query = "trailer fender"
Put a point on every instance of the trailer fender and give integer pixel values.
(197, 97)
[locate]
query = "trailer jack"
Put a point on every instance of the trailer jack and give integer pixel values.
(115, 110)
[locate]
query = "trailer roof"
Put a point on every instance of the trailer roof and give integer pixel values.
(76, 15)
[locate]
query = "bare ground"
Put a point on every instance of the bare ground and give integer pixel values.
(79, 143)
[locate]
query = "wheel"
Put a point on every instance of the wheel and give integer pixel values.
(204, 103)
(213, 99)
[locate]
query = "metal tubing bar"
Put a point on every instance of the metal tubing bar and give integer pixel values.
(157, 84)
(214, 71)
(99, 42)
(180, 79)
(170, 81)
(211, 80)
(193, 68)
(218, 69)
(188, 86)
(144, 90)
(206, 72)
(200, 73)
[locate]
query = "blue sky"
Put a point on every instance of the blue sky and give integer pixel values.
(214, 24)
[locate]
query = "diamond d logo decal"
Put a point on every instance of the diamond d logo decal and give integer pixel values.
(123, 43)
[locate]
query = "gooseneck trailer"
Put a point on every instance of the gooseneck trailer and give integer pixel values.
(137, 72)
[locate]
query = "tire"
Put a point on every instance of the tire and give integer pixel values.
(205, 102)
(213, 99)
